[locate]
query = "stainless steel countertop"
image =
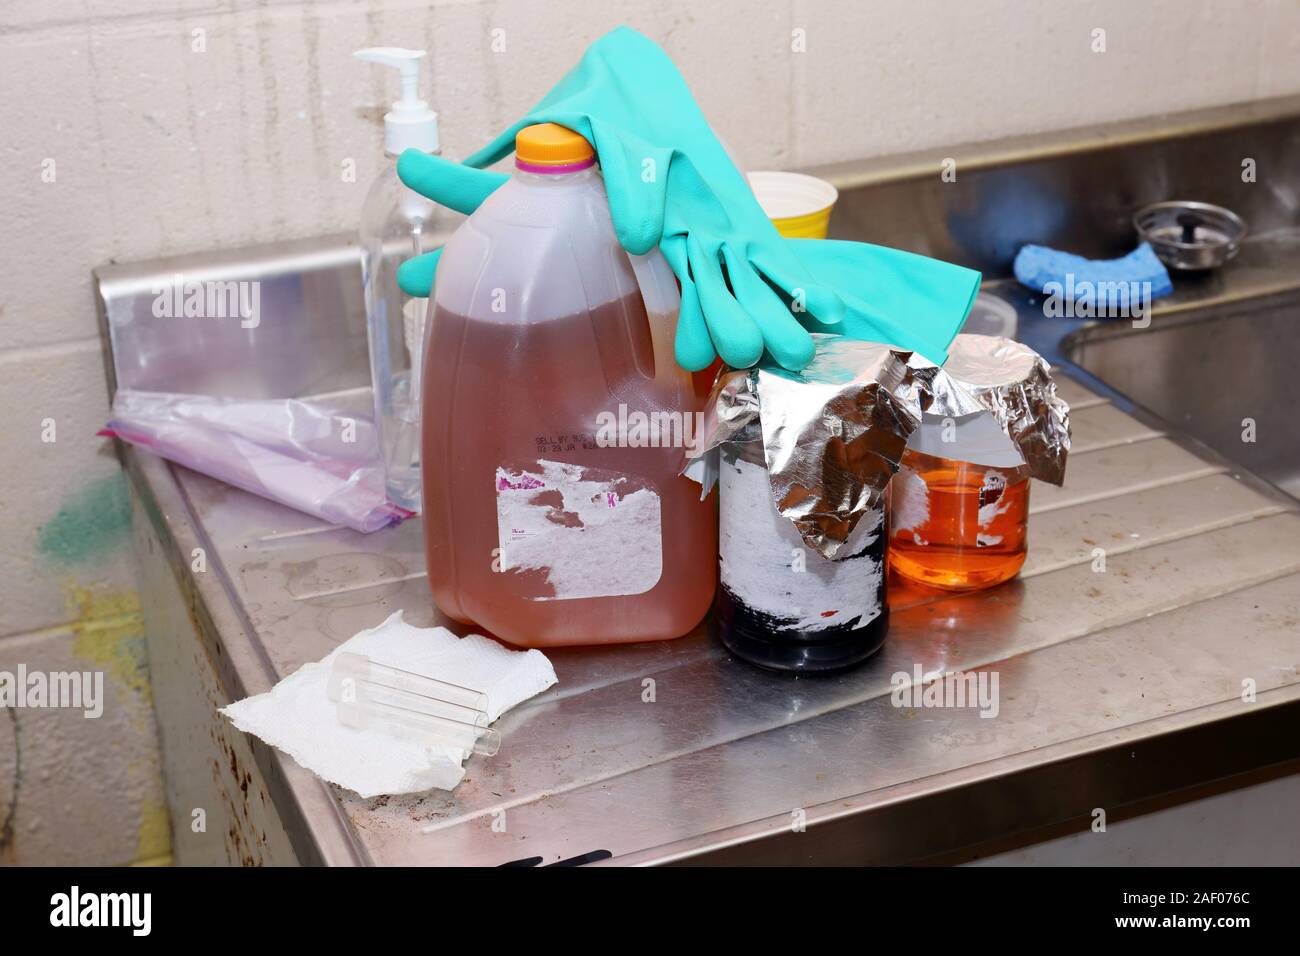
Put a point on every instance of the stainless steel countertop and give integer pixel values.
(1115, 686)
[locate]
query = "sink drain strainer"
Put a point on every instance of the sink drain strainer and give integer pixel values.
(1191, 235)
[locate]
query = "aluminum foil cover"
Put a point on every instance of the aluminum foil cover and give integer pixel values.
(1013, 383)
(832, 434)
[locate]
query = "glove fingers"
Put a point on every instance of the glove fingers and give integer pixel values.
(457, 187)
(635, 179)
(415, 276)
(787, 341)
(735, 336)
(693, 345)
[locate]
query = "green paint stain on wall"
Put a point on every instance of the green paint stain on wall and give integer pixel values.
(91, 522)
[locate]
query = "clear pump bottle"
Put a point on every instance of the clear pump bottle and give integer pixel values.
(397, 224)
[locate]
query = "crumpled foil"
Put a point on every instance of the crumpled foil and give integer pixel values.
(832, 434)
(1014, 384)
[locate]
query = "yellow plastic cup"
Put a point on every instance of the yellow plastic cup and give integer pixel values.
(799, 205)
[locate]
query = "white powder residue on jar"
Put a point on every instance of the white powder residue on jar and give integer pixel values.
(910, 500)
(909, 503)
(994, 481)
(768, 568)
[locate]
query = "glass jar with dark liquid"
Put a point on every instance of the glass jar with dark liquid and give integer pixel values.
(781, 605)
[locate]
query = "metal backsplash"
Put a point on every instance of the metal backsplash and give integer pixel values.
(1075, 190)
(309, 336)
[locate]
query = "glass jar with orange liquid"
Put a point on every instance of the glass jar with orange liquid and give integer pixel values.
(959, 506)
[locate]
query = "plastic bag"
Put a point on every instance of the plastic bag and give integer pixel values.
(315, 459)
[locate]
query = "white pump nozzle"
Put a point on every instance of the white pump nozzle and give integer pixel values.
(410, 124)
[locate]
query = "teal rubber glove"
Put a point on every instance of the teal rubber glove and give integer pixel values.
(899, 298)
(462, 188)
(671, 183)
(891, 296)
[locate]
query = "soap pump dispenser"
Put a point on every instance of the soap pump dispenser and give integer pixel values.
(397, 224)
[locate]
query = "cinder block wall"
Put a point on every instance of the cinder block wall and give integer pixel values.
(129, 132)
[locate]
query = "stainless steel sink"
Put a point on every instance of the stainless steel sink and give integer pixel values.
(1226, 375)
(1221, 349)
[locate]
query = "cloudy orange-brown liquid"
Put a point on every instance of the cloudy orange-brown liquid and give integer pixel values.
(500, 393)
(972, 534)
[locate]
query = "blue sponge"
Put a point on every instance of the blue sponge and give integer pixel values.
(1101, 287)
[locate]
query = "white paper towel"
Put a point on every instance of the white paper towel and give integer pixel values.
(298, 717)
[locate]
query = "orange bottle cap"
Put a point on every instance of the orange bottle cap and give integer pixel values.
(550, 145)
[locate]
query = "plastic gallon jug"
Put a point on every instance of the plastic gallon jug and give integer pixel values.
(555, 419)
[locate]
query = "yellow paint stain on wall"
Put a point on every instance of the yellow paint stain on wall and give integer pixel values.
(108, 631)
(154, 840)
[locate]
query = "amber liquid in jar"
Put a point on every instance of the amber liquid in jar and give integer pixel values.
(957, 525)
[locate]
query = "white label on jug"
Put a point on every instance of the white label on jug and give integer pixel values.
(757, 548)
(593, 533)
